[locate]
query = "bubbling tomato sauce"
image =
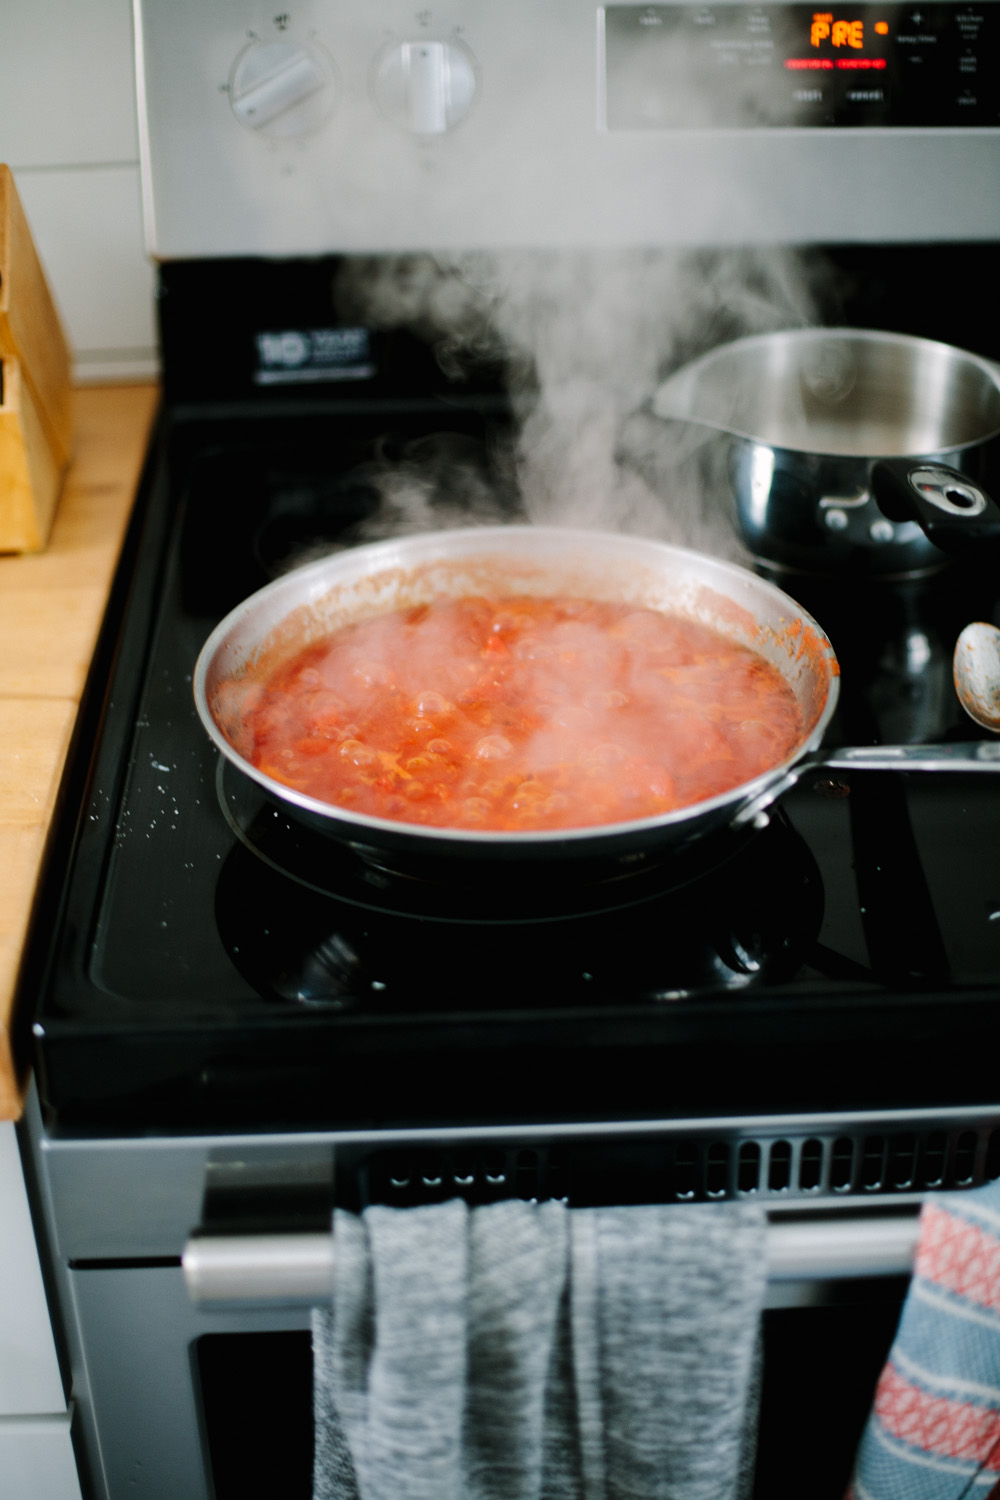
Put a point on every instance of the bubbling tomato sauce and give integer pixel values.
(517, 714)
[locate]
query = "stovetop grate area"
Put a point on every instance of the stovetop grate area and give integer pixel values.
(690, 1168)
(194, 986)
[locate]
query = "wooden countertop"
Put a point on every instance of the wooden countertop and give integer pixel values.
(51, 607)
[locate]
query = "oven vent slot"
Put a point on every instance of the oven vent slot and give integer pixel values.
(689, 1168)
(408, 1178)
(820, 1166)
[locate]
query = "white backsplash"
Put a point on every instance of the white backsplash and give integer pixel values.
(68, 133)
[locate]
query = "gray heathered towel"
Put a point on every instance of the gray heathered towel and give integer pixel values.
(532, 1352)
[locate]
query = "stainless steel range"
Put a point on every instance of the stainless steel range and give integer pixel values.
(397, 248)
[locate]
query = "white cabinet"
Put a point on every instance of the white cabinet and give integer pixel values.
(36, 1454)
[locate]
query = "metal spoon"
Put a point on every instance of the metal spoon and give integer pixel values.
(976, 667)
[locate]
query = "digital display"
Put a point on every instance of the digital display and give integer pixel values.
(746, 65)
(838, 42)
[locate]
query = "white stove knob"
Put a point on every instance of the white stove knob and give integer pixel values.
(426, 87)
(283, 88)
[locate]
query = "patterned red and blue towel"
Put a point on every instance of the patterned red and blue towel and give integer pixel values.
(934, 1429)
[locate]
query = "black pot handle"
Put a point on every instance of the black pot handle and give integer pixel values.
(954, 512)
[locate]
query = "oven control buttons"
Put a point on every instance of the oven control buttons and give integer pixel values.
(426, 87)
(283, 88)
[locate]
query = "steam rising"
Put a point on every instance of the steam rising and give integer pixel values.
(499, 707)
(584, 338)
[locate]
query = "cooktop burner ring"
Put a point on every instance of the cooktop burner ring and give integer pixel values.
(361, 877)
(297, 943)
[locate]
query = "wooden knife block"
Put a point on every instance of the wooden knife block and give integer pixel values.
(35, 397)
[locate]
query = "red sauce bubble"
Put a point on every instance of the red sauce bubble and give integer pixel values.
(520, 714)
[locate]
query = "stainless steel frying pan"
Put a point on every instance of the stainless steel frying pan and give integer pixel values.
(313, 600)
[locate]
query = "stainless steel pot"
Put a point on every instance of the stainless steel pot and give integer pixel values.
(355, 584)
(804, 414)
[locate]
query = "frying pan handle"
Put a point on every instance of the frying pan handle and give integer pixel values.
(954, 512)
(976, 755)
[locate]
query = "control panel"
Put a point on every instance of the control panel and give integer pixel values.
(806, 66)
(370, 125)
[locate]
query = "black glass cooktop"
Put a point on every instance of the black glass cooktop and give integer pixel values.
(218, 966)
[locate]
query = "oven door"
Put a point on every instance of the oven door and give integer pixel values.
(185, 1268)
(182, 1401)
(199, 1373)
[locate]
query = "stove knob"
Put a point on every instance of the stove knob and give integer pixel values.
(426, 87)
(283, 88)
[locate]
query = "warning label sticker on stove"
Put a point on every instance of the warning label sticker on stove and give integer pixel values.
(298, 355)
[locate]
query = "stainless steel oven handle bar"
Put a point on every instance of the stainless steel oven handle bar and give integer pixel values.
(290, 1269)
(299, 1269)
